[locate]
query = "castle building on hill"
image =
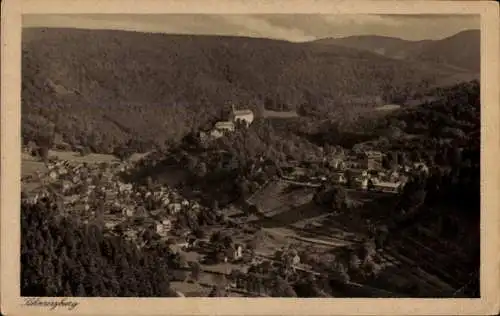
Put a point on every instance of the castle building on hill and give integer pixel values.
(223, 127)
(245, 115)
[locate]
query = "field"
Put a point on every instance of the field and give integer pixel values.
(279, 114)
(290, 208)
(388, 107)
(74, 157)
(289, 213)
(30, 165)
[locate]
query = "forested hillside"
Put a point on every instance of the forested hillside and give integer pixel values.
(444, 133)
(461, 50)
(91, 87)
(61, 257)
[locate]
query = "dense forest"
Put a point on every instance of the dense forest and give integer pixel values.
(88, 88)
(62, 257)
(451, 120)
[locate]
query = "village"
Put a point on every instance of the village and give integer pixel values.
(222, 241)
(361, 170)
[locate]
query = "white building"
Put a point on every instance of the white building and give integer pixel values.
(222, 127)
(128, 211)
(174, 208)
(165, 201)
(359, 173)
(339, 178)
(238, 252)
(65, 186)
(246, 116)
(422, 167)
(386, 186)
(337, 163)
(53, 175)
(164, 227)
(361, 183)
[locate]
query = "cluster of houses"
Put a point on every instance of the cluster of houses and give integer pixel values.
(363, 171)
(222, 127)
(85, 188)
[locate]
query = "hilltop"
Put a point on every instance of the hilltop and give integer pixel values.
(108, 89)
(450, 51)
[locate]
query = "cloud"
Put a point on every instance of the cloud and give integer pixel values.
(291, 27)
(360, 19)
(263, 27)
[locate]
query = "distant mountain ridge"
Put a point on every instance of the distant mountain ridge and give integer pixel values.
(461, 50)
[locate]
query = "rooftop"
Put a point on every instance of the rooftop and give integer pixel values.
(357, 171)
(372, 153)
(387, 184)
(242, 112)
(224, 124)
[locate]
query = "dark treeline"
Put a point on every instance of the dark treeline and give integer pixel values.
(62, 257)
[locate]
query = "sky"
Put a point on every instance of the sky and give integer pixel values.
(290, 27)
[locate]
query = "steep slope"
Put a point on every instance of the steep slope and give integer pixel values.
(384, 45)
(92, 86)
(460, 50)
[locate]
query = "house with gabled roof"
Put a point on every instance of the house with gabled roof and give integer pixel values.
(244, 115)
(222, 127)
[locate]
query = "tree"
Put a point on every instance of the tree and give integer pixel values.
(216, 237)
(195, 271)
(368, 250)
(349, 178)
(244, 188)
(339, 273)
(123, 153)
(67, 292)
(80, 291)
(84, 151)
(282, 288)
(216, 292)
(339, 197)
(43, 152)
(253, 244)
(149, 183)
(220, 280)
(227, 241)
(336, 197)
(253, 209)
(192, 163)
(181, 260)
(199, 233)
(402, 159)
(380, 237)
(201, 170)
(215, 205)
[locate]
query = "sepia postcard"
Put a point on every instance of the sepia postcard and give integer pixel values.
(250, 158)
